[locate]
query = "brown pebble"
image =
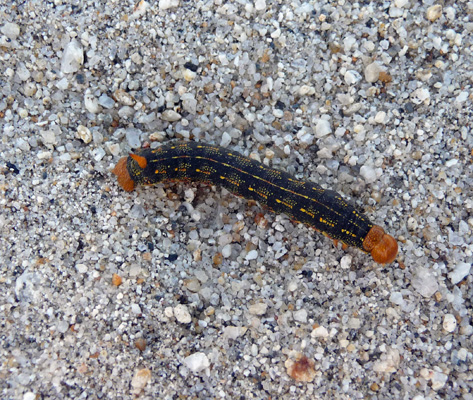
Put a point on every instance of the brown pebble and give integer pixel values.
(140, 344)
(116, 280)
(217, 259)
(385, 77)
(374, 387)
(302, 370)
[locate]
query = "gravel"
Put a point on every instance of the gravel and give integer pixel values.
(370, 99)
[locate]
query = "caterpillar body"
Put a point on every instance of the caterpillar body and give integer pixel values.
(303, 201)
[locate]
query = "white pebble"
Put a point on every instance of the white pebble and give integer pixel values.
(197, 362)
(462, 97)
(182, 314)
(449, 322)
(140, 380)
(434, 12)
(166, 4)
(98, 153)
(260, 5)
(257, 309)
(49, 137)
(424, 282)
(226, 139)
(372, 72)
(91, 103)
(233, 332)
(113, 148)
(400, 3)
(300, 316)
(81, 268)
(170, 115)
(380, 117)
(188, 75)
(368, 174)
(460, 271)
(135, 308)
(420, 95)
(351, 77)
(306, 90)
(11, 30)
(322, 128)
(252, 255)
(319, 332)
(72, 58)
(84, 133)
(227, 251)
(29, 396)
(345, 262)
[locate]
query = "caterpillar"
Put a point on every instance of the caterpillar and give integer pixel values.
(322, 209)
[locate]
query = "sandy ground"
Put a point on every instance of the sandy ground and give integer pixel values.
(183, 291)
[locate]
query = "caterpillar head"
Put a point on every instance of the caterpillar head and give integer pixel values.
(382, 247)
(121, 171)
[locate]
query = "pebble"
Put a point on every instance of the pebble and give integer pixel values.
(346, 261)
(260, 5)
(425, 282)
(352, 77)
(234, 332)
(306, 90)
(135, 308)
(449, 323)
(140, 380)
(252, 255)
(72, 58)
(380, 117)
(227, 251)
(322, 128)
(181, 312)
(434, 12)
(49, 136)
(91, 103)
(372, 72)
(167, 4)
(11, 30)
(170, 115)
(258, 308)
(106, 102)
(460, 271)
(300, 315)
(84, 133)
(197, 362)
(124, 98)
(368, 174)
(224, 142)
(320, 332)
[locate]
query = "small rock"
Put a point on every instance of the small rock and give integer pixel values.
(224, 142)
(301, 370)
(182, 314)
(322, 128)
(11, 30)
(140, 380)
(421, 95)
(449, 323)
(380, 117)
(434, 12)
(166, 4)
(306, 90)
(258, 309)
(460, 271)
(91, 103)
(84, 133)
(351, 77)
(135, 308)
(252, 255)
(124, 98)
(227, 251)
(372, 72)
(260, 5)
(368, 174)
(170, 115)
(319, 332)
(72, 58)
(106, 102)
(345, 262)
(116, 280)
(425, 282)
(49, 137)
(188, 74)
(81, 268)
(300, 316)
(234, 332)
(197, 362)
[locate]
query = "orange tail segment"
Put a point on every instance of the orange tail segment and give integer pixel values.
(123, 176)
(383, 247)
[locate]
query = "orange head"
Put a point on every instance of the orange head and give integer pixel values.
(382, 247)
